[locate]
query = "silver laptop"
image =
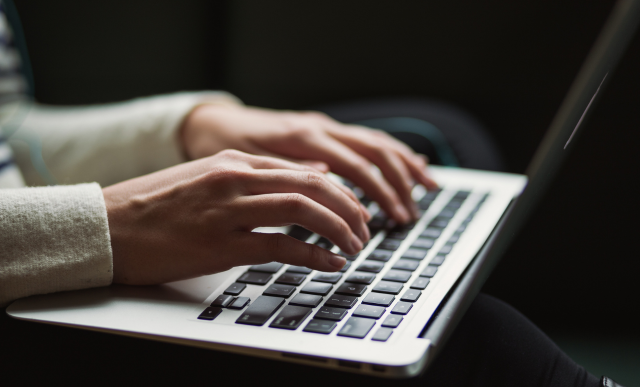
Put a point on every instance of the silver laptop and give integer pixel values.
(392, 308)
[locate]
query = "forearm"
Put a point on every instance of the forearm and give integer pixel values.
(107, 143)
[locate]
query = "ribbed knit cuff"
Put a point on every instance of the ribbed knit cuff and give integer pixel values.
(53, 239)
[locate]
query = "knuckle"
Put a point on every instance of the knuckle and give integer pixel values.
(342, 228)
(314, 253)
(226, 176)
(315, 181)
(300, 133)
(231, 154)
(294, 203)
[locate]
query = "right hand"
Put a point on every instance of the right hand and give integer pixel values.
(196, 218)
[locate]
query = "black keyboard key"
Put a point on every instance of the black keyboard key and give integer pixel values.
(398, 234)
(377, 223)
(380, 255)
(382, 334)
(255, 278)
(406, 264)
(318, 288)
(379, 299)
(415, 254)
(235, 289)
(291, 279)
(308, 300)
(392, 321)
(388, 287)
(299, 269)
(271, 267)
(369, 311)
(361, 278)
(239, 303)
(291, 317)
(320, 326)
(447, 213)
(454, 238)
(431, 233)
(222, 301)
(300, 233)
(446, 249)
(420, 283)
(349, 257)
(462, 195)
(438, 260)
(331, 278)
(397, 276)
(277, 290)
(423, 243)
(429, 271)
(411, 295)
(351, 289)
(371, 266)
(210, 313)
(345, 267)
(356, 327)
(341, 301)
(439, 223)
(333, 314)
(324, 243)
(461, 228)
(454, 204)
(260, 310)
(402, 308)
(390, 244)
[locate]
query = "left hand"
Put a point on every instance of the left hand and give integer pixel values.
(316, 140)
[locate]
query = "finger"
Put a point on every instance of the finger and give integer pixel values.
(262, 248)
(390, 163)
(316, 187)
(345, 162)
(418, 168)
(267, 162)
(319, 165)
(280, 209)
(416, 164)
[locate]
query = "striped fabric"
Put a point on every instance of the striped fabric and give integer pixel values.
(12, 90)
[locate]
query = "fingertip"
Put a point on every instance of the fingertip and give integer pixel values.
(402, 214)
(337, 262)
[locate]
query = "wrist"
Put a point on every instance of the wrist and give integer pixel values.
(200, 128)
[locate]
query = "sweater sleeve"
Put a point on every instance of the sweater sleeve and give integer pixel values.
(106, 143)
(53, 239)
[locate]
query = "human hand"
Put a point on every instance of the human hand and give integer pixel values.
(196, 218)
(348, 150)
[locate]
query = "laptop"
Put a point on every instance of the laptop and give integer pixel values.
(390, 310)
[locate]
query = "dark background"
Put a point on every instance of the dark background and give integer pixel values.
(574, 267)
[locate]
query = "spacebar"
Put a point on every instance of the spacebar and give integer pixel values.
(260, 310)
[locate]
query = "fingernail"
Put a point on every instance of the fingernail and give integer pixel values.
(356, 244)
(404, 214)
(337, 261)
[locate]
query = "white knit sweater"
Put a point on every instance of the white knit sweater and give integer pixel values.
(56, 238)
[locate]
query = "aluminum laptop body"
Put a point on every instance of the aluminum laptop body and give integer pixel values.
(489, 209)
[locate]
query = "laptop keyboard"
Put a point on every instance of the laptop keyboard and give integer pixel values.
(319, 304)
